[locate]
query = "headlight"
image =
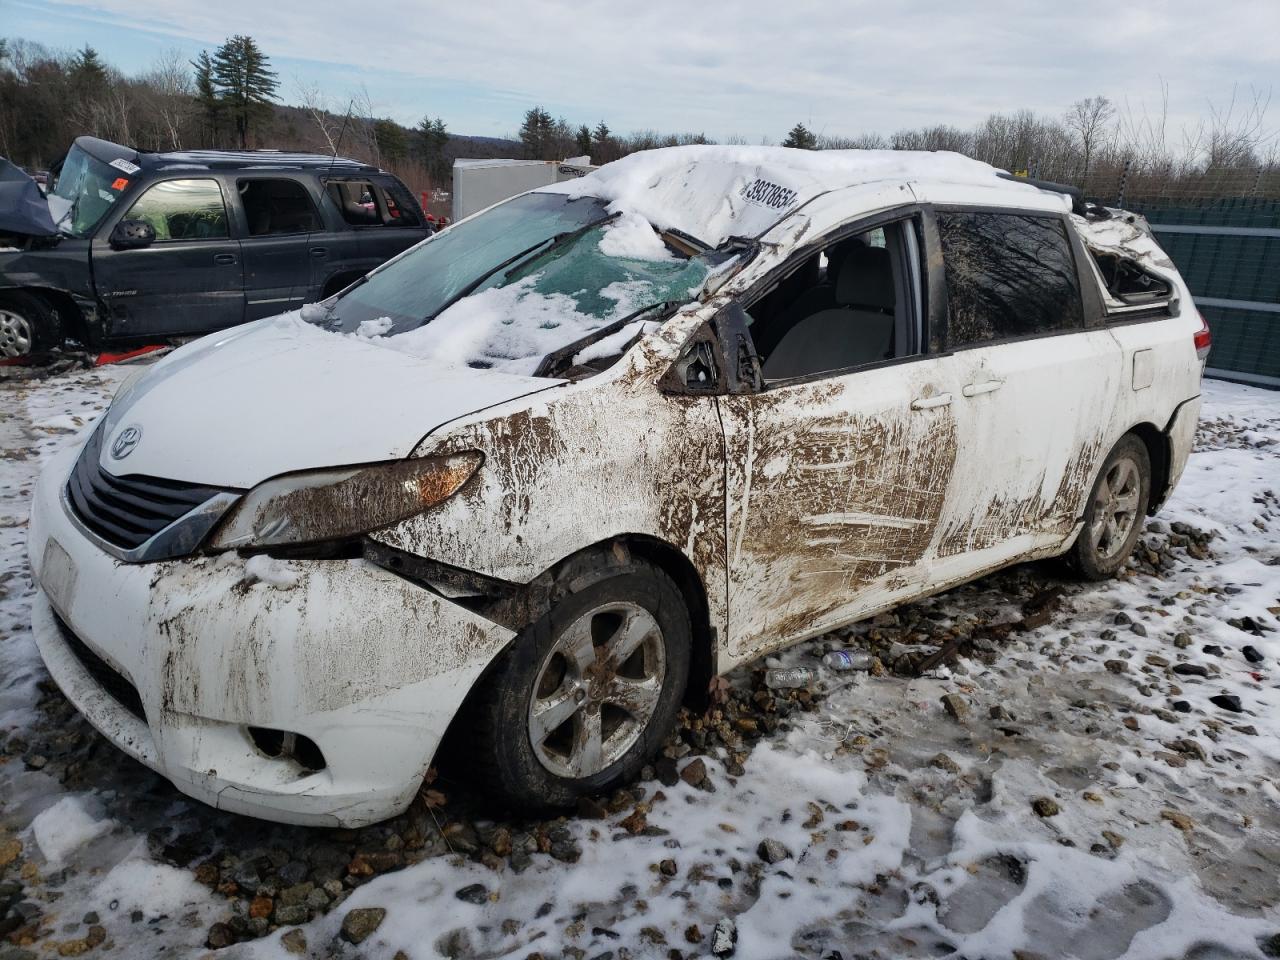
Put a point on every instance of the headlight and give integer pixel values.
(332, 504)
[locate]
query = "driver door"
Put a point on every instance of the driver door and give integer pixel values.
(836, 478)
(188, 281)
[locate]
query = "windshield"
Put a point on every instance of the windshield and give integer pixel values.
(534, 274)
(85, 191)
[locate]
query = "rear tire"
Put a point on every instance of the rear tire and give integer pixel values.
(1115, 511)
(29, 325)
(585, 695)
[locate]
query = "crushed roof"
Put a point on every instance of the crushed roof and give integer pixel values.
(714, 192)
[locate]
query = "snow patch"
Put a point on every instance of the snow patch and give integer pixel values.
(274, 573)
(631, 237)
(156, 889)
(377, 327)
(66, 827)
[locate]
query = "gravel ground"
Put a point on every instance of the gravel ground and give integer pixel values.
(1032, 767)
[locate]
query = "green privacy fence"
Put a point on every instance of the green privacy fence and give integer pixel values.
(1228, 250)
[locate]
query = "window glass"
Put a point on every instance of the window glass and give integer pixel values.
(1008, 275)
(277, 206)
(356, 202)
(84, 192)
(853, 303)
(1128, 282)
(399, 205)
(183, 210)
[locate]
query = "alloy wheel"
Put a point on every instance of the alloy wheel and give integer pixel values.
(597, 690)
(15, 334)
(1115, 508)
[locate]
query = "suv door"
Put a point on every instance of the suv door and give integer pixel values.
(188, 280)
(1040, 382)
(279, 226)
(836, 478)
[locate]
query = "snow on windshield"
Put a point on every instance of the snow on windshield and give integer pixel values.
(513, 326)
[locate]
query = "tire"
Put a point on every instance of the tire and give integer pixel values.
(1115, 511)
(29, 325)
(533, 717)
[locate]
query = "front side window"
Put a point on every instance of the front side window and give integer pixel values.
(183, 210)
(528, 277)
(1008, 275)
(853, 303)
(276, 207)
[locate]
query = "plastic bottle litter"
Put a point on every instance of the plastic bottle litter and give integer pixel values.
(789, 678)
(847, 660)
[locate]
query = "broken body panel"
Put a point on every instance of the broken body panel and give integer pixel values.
(786, 508)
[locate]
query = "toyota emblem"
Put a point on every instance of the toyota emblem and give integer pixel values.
(125, 441)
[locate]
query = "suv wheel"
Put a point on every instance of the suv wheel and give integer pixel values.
(29, 325)
(588, 693)
(1113, 516)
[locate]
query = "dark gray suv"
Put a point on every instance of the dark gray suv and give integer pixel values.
(145, 246)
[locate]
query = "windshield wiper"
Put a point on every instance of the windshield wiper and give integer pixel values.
(556, 241)
(552, 363)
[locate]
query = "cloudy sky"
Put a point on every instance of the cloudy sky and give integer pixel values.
(751, 68)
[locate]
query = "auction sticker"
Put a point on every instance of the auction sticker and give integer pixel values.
(125, 165)
(767, 194)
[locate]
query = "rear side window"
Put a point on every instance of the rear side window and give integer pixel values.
(364, 203)
(277, 206)
(1129, 283)
(183, 210)
(1008, 275)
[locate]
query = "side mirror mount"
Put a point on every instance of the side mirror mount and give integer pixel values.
(132, 235)
(719, 358)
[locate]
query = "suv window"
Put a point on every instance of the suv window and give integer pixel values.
(183, 210)
(277, 206)
(1128, 282)
(853, 303)
(1008, 275)
(364, 203)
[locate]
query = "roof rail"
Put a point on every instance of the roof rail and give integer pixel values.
(1075, 193)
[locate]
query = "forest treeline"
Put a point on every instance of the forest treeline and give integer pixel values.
(231, 97)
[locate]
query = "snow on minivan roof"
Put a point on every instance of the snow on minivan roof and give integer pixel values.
(715, 192)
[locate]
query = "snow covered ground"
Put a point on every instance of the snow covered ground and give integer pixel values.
(1076, 794)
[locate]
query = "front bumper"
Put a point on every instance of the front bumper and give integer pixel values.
(369, 666)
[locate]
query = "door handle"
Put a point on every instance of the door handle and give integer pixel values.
(319, 252)
(987, 386)
(928, 403)
(224, 258)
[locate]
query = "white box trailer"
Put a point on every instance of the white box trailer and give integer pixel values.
(481, 183)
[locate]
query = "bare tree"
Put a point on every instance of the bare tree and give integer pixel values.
(1090, 120)
(168, 91)
(316, 106)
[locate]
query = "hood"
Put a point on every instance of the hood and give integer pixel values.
(280, 395)
(23, 207)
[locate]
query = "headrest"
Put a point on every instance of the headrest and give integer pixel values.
(865, 278)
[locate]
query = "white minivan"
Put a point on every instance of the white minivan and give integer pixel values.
(538, 477)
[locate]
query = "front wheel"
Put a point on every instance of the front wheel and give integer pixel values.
(29, 325)
(586, 694)
(1113, 516)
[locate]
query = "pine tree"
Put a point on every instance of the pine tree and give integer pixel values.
(537, 133)
(207, 101)
(392, 143)
(88, 74)
(245, 81)
(433, 137)
(583, 139)
(800, 137)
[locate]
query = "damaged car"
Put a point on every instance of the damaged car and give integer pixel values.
(530, 484)
(131, 247)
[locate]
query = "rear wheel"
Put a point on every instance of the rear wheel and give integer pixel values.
(29, 325)
(584, 696)
(1113, 516)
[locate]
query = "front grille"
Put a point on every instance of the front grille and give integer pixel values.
(127, 511)
(121, 690)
